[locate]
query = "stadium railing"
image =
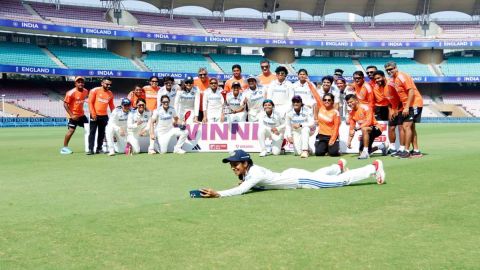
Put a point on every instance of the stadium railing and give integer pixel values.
(32, 122)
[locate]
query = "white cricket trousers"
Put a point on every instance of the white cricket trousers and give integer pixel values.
(214, 116)
(114, 131)
(330, 176)
(300, 139)
(236, 117)
(265, 132)
(133, 140)
(164, 138)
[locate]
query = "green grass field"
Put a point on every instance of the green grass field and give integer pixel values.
(100, 212)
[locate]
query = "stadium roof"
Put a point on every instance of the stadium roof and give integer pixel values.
(325, 7)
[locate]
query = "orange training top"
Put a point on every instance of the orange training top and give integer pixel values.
(364, 94)
(403, 82)
(379, 95)
(328, 123)
(266, 80)
(99, 100)
(75, 100)
(391, 95)
(363, 115)
(228, 84)
(133, 98)
(202, 86)
(151, 97)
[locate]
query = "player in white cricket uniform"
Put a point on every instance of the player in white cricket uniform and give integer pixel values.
(254, 97)
(260, 178)
(213, 103)
(162, 127)
(187, 102)
(298, 122)
(235, 105)
(281, 91)
(170, 89)
(271, 126)
(303, 88)
(117, 127)
(138, 126)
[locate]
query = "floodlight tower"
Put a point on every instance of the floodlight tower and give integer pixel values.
(116, 6)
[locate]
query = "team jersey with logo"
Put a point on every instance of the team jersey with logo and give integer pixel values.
(266, 80)
(333, 91)
(75, 100)
(304, 90)
(99, 100)
(280, 92)
(118, 118)
(229, 82)
(171, 94)
(133, 98)
(164, 118)
(151, 97)
(137, 121)
(213, 101)
(379, 95)
(403, 82)
(364, 94)
(234, 103)
(304, 118)
(275, 120)
(328, 123)
(363, 116)
(187, 101)
(254, 99)
(391, 95)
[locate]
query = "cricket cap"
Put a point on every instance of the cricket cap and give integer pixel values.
(237, 156)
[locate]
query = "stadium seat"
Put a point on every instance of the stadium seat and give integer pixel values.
(322, 66)
(24, 54)
(250, 63)
(176, 62)
(461, 66)
(404, 64)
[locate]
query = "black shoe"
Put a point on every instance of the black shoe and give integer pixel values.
(99, 151)
(404, 154)
(416, 154)
(90, 152)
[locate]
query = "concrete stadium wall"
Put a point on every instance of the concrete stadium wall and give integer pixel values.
(126, 48)
(431, 56)
(280, 55)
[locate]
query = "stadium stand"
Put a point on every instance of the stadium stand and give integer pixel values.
(156, 22)
(176, 62)
(34, 99)
(235, 27)
(87, 58)
(461, 66)
(25, 54)
(321, 66)
(250, 63)
(405, 64)
(459, 30)
(469, 101)
(14, 10)
(314, 31)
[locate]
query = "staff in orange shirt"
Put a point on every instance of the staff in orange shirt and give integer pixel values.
(73, 104)
(328, 119)
(361, 118)
(136, 94)
(99, 100)
(151, 92)
(369, 71)
(237, 77)
(202, 82)
(363, 90)
(267, 76)
(412, 104)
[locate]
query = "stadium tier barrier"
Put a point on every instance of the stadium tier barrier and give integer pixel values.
(33, 122)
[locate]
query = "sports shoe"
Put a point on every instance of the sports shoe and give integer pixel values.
(394, 153)
(262, 154)
(89, 152)
(179, 151)
(364, 155)
(383, 147)
(65, 151)
(343, 165)
(379, 172)
(151, 152)
(404, 154)
(128, 149)
(99, 151)
(111, 153)
(416, 154)
(304, 154)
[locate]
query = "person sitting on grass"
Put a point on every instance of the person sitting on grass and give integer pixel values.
(256, 177)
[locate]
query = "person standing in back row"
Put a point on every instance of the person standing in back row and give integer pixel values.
(99, 100)
(73, 104)
(151, 93)
(267, 76)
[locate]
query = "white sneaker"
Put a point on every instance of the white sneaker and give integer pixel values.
(364, 155)
(304, 154)
(262, 154)
(111, 153)
(151, 152)
(179, 151)
(379, 173)
(343, 165)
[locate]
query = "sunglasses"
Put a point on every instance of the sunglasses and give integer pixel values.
(357, 78)
(154, 81)
(214, 82)
(202, 75)
(389, 69)
(165, 102)
(281, 73)
(108, 84)
(370, 72)
(327, 100)
(265, 67)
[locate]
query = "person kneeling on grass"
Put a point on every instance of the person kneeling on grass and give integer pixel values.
(255, 177)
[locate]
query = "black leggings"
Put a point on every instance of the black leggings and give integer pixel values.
(100, 123)
(322, 147)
